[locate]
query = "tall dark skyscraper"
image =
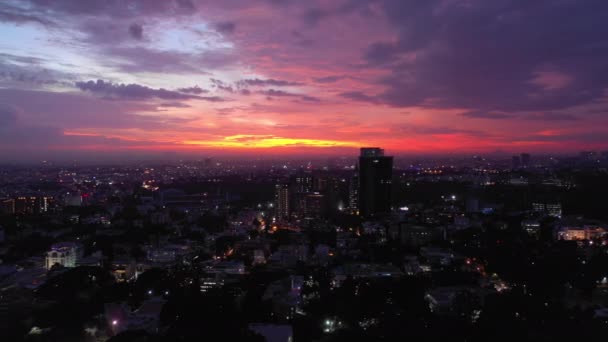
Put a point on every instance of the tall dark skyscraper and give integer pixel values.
(282, 201)
(515, 162)
(525, 160)
(353, 193)
(304, 182)
(375, 182)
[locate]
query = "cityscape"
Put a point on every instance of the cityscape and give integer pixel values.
(286, 171)
(346, 248)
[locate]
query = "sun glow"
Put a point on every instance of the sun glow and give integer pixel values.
(265, 141)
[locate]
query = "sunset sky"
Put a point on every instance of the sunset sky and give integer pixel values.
(290, 77)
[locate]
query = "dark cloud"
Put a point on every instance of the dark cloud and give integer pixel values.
(174, 105)
(381, 53)
(21, 18)
(23, 76)
(487, 115)
(130, 91)
(221, 85)
(329, 79)
(359, 96)
(485, 55)
(428, 130)
(267, 82)
(301, 40)
(137, 92)
(542, 116)
(73, 110)
(196, 90)
(226, 27)
(101, 32)
(307, 98)
(549, 117)
(136, 31)
(141, 59)
(27, 70)
(270, 93)
(314, 16)
(115, 8)
(277, 93)
(187, 5)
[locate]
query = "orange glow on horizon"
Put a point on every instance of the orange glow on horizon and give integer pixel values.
(266, 141)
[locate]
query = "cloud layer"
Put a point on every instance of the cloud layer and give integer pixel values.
(437, 76)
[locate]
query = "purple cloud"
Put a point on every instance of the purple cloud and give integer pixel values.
(484, 55)
(267, 82)
(307, 98)
(141, 59)
(6, 15)
(547, 116)
(174, 105)
(221, 85)
(116, 8)
(136, 31)
(270, 93)
(329, 79)
(359, 96)
(487, 115)
(273, 92)
(196, 90)
(70, 110)
(226, 27)
(137, 92)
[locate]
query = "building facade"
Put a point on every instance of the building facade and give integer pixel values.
(65, 254)
(375, 182)
(282, 200)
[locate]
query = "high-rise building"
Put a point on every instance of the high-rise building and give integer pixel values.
(549, 209)
(32, 204)
(282, 199)
(320, 184)
(554, 209)
(375, 182)
(525, 160)
(7, 206)
(516, 162)
(314, 205)
(353, 193)
(303, 182)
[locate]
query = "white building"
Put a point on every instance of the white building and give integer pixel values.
(65, 254)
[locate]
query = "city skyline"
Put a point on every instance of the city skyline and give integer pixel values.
(103, 80)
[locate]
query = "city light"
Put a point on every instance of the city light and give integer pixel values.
(304, 171)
